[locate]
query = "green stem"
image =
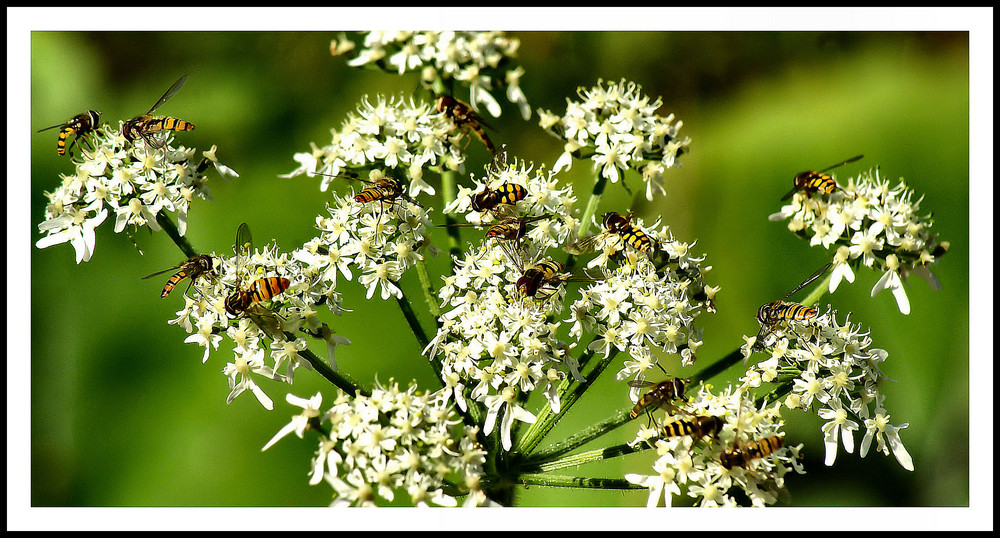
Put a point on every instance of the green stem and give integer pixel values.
(341, 381)
(579, 439)
(562, 481)
(428, 289)
(591, 209)
(170, 228)
(569, 392)
(411, 319)
(588, 456)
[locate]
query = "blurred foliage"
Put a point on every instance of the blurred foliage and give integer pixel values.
(125, 414)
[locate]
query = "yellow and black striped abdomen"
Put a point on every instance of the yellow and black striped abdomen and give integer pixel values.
(638, 239)
(778, 311)
(697, 426)
(743, 455)
(155, 125)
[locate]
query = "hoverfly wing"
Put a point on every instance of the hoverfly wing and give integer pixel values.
(842, 163)
(809, 280)
(169, 93)
(163, 271)
(640, 383)
(790, 194)
(244, 240)
(52, 127)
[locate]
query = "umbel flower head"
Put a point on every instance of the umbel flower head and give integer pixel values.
(390, 442)
(822, 363)
(737, 446)
(868, 223)
(284, 300)
(483, 61)
(130, 182)
(498, 341)
(398, 137)
(618, 129)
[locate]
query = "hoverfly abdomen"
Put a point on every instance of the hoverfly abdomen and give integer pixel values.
(699, 426)
(743, 455)
(259, 291)
(778, 311)
(534, 277)
(505, 194)
(79, 125)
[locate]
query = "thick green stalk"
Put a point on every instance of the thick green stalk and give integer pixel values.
(588, 456)
(411, 319)
(579, 439)
(170, 228)
(562, 481)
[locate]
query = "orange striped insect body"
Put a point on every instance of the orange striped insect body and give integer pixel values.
(546, 274)
(260, 290)
(812, 181)
(149, 127)
(661, 395)
(743, 454)
(192, 268)
(463, 117)
(772, 315)
(79, 125)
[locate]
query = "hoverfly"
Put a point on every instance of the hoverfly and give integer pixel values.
(742, 454)
(547, 273)
(491, 199)
(192, 268)
(697, 426)
(773, 314)
(615, 224)
(462, 116)
(147, 126)
(259, 290)
(78, 125)
(385, 190)
(659, 396)
(507, 233)
(812, 181)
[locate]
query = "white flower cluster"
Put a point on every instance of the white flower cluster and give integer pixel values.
(617, 128)
(397, 137)
(496, 345)
(133, 182)
(833, 364)
(382, 240)
(392, 441)
(480, 60)
(696, 462)
(276, 317)
(869, 224)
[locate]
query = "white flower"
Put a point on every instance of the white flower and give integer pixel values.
(299, 423)
(75, 228)
(838, 425)
(513, 411)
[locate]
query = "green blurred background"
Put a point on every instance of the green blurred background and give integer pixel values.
(123, 413)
